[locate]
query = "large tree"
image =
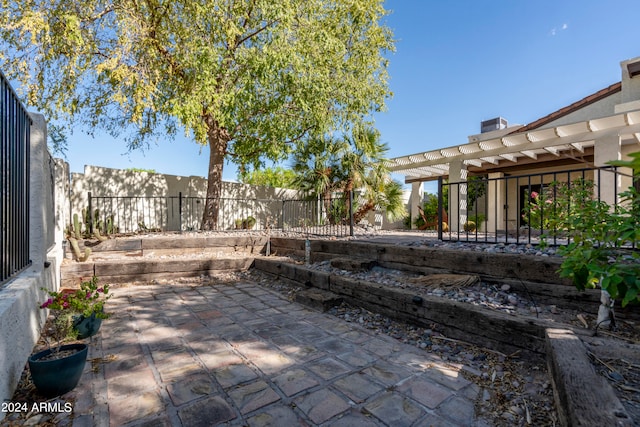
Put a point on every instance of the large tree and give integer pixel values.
(248, 78)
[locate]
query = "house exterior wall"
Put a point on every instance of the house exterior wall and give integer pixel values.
(597, 110)
(630, 86)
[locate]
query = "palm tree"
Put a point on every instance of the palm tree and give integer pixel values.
(363, 152)
(316, 167)
(327, 165)
(381, 190)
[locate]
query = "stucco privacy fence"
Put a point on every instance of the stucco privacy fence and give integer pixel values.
(133, 201)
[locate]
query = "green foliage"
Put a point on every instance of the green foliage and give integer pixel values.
(476, 188)
(140, 170)
(57, 139)
(66, 305)
(599, 235)
(556, 203)
(338, 212)
(430, 208)
(270, 177)
(326, 165)
(251, 79)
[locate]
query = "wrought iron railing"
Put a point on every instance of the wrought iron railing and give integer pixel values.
(14, 178)
(518, 209)
(135, 214)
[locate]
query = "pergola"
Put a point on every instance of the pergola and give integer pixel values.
(518, 147)
(522, 147)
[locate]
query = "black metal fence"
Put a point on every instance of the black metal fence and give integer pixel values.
(14, 178)
(136, 214)
(518, 209)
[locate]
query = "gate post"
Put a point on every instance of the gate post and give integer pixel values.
(90, 213)
(180, 211)
(440, 203)
(351, 213)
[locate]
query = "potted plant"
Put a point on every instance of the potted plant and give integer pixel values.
(76, 314)
(87, 303)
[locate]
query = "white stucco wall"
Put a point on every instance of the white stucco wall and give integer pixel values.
(238, 200)
(20, 318)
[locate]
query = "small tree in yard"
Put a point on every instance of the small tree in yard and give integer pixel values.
(326, 165)
(249, 78)
(270, 177)
(602, 238)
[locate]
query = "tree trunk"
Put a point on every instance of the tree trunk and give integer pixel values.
(363, 211)
(218, 140)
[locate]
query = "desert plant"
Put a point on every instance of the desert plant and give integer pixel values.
(80, 256)
(469, 226)
(601, 235)
(249, 223)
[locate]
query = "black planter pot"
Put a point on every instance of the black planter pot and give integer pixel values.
(87, 326)
(58, 376)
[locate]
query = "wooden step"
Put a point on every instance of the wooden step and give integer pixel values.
(353, 264)
(318, 299)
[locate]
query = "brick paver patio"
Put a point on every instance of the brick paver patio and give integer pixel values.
(240, 354)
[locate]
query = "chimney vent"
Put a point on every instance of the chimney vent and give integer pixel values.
(493, 124)
(634, 69)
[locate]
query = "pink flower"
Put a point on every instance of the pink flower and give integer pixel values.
(534, 195)
(65, 305)
(88, 295)
(47, 303)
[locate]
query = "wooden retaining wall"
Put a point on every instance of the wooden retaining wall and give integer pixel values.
(535, 277)
(500, 331)
(172, 245)
(145, 259)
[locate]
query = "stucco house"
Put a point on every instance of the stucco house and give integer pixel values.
(584, 135)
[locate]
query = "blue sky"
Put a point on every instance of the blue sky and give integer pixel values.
(456, 64)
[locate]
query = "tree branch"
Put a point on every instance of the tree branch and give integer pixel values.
(253, 34)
